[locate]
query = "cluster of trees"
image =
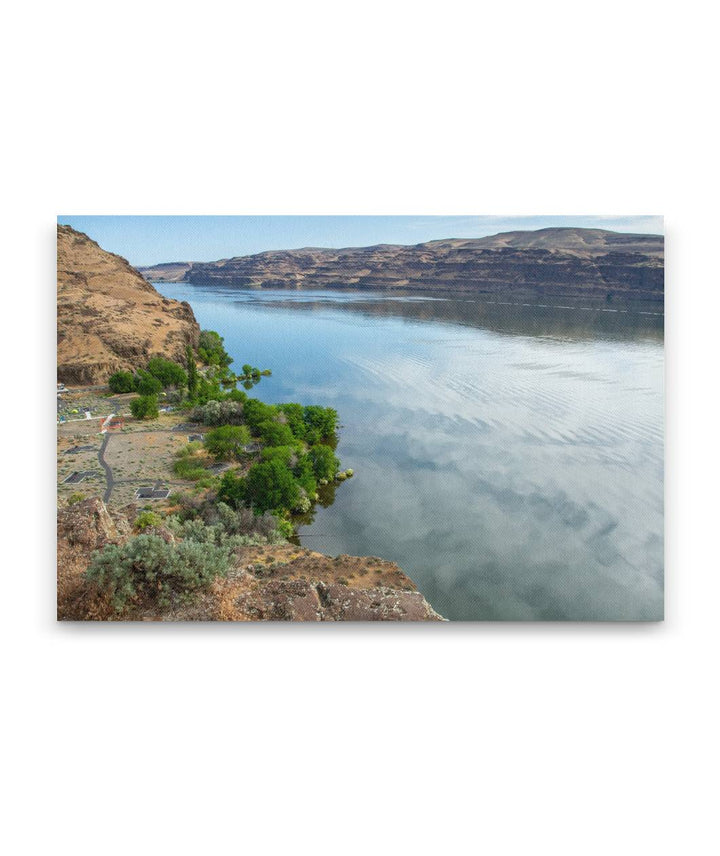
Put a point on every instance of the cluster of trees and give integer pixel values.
(287, 477)
(211, 349)
(159, 374)
(202, 387)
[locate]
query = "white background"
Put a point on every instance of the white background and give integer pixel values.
(344, 739)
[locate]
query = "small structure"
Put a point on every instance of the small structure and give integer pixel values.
(152, 493)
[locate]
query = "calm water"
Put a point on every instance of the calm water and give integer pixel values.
(508, 457)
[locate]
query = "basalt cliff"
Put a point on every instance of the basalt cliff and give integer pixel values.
(109, 317)
(562, 261)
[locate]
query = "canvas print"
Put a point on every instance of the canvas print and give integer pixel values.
(337, 418)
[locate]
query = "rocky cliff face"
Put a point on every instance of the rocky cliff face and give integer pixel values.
(109, 317)
(268, 583)
(559, 261)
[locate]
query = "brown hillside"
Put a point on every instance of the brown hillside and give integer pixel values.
(109, 317)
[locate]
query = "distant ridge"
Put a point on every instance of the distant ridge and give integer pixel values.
(573, 261)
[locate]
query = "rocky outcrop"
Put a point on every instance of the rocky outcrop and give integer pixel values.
(287, 583)
(280, 582)
(109, 317)
(82, 528)
(591, 262)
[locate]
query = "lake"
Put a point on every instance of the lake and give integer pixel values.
(509, 457)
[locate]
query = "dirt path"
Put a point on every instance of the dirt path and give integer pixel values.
(110, 481)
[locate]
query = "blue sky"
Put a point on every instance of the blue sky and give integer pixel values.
(147, 240)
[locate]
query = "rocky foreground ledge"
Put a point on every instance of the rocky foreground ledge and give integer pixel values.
(268, 582)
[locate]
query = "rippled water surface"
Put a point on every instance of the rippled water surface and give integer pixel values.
(508, 457)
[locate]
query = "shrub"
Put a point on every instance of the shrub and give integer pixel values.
(227, 441)
(144, 407)
(147, 569)
(302, 503)
(121, 382)
(189, 463)
(219, 413)
(261, 528)
(189, 468)
(147, 519)
(191, 449)
(167, 372)
(74, 498)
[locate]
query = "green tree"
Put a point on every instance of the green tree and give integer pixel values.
(256, 412)
(167, 372)
(147, 384)
(227, 441)
(232, 490)
(211, 350)
(272, 433)
(324, 463)
(305, 475)
(145, 407)
(295, 419)
(121, 382)
(270, 486)
(322, 419)
(192, 372)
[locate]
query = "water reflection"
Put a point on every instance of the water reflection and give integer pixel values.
(561, 318)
